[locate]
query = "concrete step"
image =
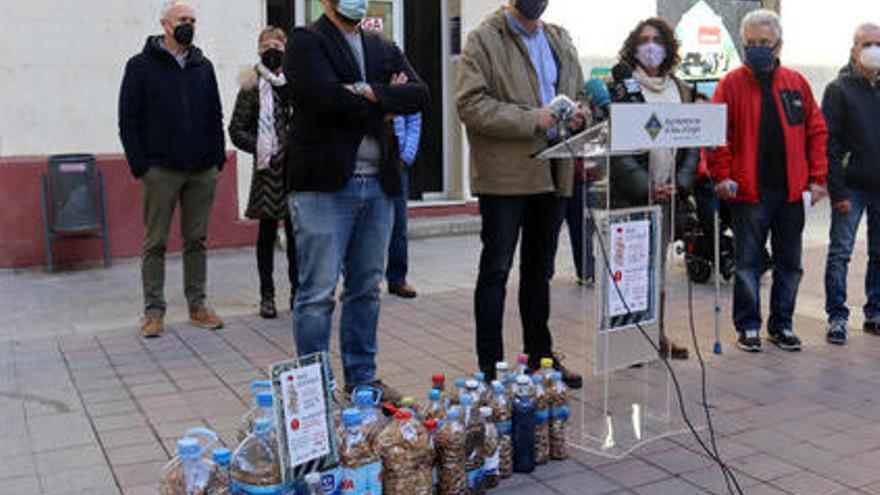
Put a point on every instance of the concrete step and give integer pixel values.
(427, 227)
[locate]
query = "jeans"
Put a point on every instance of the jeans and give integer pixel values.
(752, 223)
(341, 232)
(503, 218)
(163, 188)
(398, 256)
(843, 236)
(580, 229)
(266, 236)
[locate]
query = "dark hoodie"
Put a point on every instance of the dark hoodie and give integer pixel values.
(170, 116)
(852, 109)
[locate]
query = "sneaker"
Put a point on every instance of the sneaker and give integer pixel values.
(872, 326)
(152, 327)
(836, 332)
(749, 341)
(572, 380)
(404, 290)
(785, 340)
(267, 309)
(205, 318)
(389, 393)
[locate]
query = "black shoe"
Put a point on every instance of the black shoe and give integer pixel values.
(871, 326)
(389, 393)
(572, 380)
(785, 340)
(749, 341)
(836, 333)
(267, 309)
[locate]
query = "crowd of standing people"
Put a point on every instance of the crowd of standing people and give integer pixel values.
(332, 116)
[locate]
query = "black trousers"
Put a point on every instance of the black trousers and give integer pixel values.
(504, 218)
(266, 257)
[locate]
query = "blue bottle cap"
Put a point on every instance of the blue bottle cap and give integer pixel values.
(434, 394)
(460, 382)
(467, 400)
(537, 378)
(263, 425)
(557, 376)
(222, 456)
(189, 448)
(265, 399)
(352, 417)
(497, 387)
(258, 385)
(480, 376)
(452, 413)
(364, 398)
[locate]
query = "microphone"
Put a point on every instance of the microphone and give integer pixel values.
(600, 98)
(625, 88)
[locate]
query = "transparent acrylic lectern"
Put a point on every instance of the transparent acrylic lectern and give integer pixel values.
(629, 395)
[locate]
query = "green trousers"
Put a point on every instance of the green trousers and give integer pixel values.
(163, 189)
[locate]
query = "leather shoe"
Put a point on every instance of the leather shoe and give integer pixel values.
(405, 291)
(152, 327)
(205, 318)
(267, 309)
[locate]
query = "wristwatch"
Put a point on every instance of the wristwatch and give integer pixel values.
(361, 87)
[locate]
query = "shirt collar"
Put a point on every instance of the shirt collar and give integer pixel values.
(181, 59)
(519, 28)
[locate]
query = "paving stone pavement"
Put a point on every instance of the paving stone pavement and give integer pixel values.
(86, 406)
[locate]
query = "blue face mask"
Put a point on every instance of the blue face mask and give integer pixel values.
(759, 57)
(354, 10)
(531, 9)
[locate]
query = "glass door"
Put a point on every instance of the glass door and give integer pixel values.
(382, 15)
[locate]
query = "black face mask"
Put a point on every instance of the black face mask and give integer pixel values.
(531, 9)
(272, 58)
(184, 34)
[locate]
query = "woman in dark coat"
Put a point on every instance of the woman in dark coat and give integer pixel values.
(259, 126)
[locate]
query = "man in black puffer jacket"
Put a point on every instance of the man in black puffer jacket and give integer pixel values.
(171, 126)
(852, 109)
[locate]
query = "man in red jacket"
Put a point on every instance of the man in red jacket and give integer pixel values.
(773, 163)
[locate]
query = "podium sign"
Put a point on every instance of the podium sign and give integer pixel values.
(642, 126)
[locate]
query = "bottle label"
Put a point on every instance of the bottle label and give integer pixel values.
(330, 481)
(491, 464)
(409, 432)
(542, 416)
(245, 489)
(561, 412)
(475, 478)
(364, 480)
(504, 428)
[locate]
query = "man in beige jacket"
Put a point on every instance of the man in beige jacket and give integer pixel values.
(513, 65)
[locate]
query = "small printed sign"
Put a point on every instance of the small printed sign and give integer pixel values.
(373, 24)
(637, 127)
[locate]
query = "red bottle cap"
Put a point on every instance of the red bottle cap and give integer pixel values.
(431, 424)
(439, 378)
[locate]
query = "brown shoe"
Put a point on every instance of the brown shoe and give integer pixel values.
(205, 318)
(405, 291)
(152, 327)
(673, 350)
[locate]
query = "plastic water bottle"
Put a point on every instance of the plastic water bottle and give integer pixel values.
(256, 468)
(522, 365)
(460, 390)
(523, 426)
(501, 415)
(435, 409)
(542, 422)
(547, 372)
(407, 456)
(189, 472)
(559, 413)
(474, 432)
(502, 374)
(472, 388)
(438, 382)
(433, 426)
(361, 464)
(451, 453)
(491, 443)
(366, 399)
(262, 407)
(312, 483)
(222, 457)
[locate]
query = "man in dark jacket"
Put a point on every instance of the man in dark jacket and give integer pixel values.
(852, 110)
(171, 126)
(773, 162)
(343, 172)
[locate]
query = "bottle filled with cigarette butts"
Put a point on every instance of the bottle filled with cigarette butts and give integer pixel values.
(451, 452)
(559, 414)
(501, 415)
(361, 464)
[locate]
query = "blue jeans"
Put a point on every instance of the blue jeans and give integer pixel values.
(843, 236)
(342, 232)
(398, 255)
(752, 222)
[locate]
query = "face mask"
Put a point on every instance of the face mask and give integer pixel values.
(184, 34)
(272, 58)
(353, 10)
(759, 57)
(651, 55)
(531, 9)
(870, 57)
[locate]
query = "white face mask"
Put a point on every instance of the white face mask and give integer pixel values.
(870, 57)
(651, 55)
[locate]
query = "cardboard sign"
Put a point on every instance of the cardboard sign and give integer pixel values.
(304, 412)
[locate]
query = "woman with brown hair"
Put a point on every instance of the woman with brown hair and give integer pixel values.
(656, 177)
(259, 126)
